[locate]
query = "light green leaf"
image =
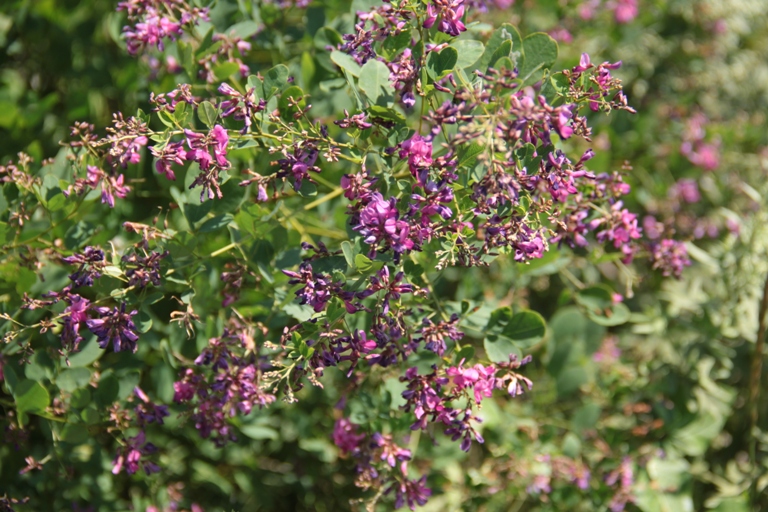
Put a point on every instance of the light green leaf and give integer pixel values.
(275, 79)
(207, 113)
(30, 396)
(506, 32)
(540, 54)
(345, 61)
(374, 81)
(468, 52)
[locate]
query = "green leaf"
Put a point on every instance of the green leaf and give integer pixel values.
(349, 253)
(244, 29)
(88, 353)
(30, 396)
(374, 81)
(570, 380)
(107, 391)
(80, 398)
(363, 263)
(308, 69)
(670, 474)
(506, 32)
(585, 418)
(467, 353)
(307, 189)
(74, 434)
(600, 307)
(11, 380)
(73, 378)
(259, 432)
(51, 193)
(540, 54)
(293, 93)
(468, 154)
(216, 223)
(387, 113)
(502, 52)
(468, 52)
(261, 253)
(143, 322)
(394, 44)
(90, 416)
(499, 348)
(345, 61)
(526, 327)
(255, 83)
(225, 70)
(207, 113)
(441, 63)
(127, 382)
(275, 79)
(507, 333)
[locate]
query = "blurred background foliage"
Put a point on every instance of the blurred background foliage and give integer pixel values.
(666, 396)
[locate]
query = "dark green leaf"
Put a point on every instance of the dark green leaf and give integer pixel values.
(216, 223)
(72, 379)
(74, 434)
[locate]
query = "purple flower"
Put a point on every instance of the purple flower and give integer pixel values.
(114, 325)
(450, 13)
(480, 378)
(130, 455)
(74, 316)
(394, 287)
(434, 335)
(242, 107)
(298, 164)
(413, 492)
(379, 222)
(687, 190)
(620, 228)
(142, 270)
(91, 261)
(669, 256)
(346, 437)
(357, 121)
(403, 75)
(221, 138)
(172, 153)
(147, 412)
(390, 452)
(419, 153)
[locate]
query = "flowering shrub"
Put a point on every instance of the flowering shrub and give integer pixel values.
(358, 251)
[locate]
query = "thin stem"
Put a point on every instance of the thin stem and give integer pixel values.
(325, 198)
(224, 249)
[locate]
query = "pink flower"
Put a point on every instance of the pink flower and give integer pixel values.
(345, 436)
